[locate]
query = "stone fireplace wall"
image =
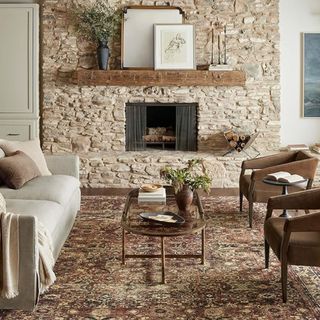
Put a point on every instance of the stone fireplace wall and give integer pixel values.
(90, 121)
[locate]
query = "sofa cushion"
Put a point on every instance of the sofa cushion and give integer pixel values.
(17, 169)
(31, 148)
(57, 188)
(48, 213)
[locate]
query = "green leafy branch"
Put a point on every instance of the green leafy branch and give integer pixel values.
(98, 22)
(178, 178)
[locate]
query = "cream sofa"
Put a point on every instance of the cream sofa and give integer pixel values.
(54, 201)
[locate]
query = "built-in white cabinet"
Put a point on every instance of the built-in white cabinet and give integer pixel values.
(19, 75)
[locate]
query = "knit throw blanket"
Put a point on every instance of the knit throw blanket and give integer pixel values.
(9, 257)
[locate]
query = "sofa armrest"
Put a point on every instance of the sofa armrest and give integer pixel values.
(28, 267)
(67, 164)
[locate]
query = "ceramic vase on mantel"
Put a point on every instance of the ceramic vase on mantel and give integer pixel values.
(184, 199)
(103, 55)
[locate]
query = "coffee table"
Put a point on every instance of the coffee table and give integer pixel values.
(131, 222)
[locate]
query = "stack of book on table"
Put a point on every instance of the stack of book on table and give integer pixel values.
(286, 177)
(297, 147)
(158, 196)
(316, 148)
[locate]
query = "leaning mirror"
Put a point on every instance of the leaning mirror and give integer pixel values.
(137, 33)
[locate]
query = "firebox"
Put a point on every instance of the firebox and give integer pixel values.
(162, 126)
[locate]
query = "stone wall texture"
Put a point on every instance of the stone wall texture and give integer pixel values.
(90, 120)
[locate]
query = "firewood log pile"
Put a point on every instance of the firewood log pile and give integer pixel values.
(237, 141)
(159, 134)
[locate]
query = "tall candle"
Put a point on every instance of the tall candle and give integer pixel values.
(212, 43)
(225, 45)
(219, 50)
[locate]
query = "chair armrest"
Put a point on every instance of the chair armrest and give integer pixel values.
(306, 199)
(306, 223)
(306, 168)
(67, 164)
(28, 261)
(268, 161)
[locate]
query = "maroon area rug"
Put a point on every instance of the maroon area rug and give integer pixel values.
(233, 284)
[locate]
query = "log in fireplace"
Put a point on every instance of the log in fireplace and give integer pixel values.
(164, 126)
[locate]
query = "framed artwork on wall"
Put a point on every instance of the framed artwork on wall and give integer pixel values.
(137, 33)
(174, 47)
(311, 75)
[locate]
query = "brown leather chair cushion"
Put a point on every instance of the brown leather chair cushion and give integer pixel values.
(304, 247)
(263, 191)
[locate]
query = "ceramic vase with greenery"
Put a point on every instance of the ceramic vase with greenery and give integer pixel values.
(186, 180)
(99, 23)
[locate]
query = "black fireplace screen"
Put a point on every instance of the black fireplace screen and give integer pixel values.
(161, 126)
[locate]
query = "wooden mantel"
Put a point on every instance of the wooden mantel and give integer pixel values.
(159, 78)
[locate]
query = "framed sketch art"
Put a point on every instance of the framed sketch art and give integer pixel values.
(311, 75)
(174, 47)
(137, 33)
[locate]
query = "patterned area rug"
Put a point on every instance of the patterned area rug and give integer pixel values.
(92, 283)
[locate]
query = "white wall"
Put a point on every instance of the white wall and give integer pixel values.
(296, 16)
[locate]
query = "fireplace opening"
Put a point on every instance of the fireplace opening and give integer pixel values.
(161, 126)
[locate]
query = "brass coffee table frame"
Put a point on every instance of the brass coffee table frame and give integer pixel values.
(194, 226)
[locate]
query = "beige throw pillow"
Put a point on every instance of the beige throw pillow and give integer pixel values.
(3, 205)
(17, 169)
(30, 148)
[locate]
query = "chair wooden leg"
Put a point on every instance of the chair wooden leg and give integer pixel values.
(241, 201)
(250, 213)
(284, 276)
(266, 254)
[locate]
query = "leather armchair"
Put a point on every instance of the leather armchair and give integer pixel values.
(295, 241)
(255, 190)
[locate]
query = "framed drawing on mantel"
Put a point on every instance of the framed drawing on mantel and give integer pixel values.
(174, 47)
(137, 33)
(311, 75)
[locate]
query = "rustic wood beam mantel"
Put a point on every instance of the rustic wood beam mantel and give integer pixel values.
(159, 78)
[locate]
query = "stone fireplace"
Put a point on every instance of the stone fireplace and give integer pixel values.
(90, 120)
(161, 126)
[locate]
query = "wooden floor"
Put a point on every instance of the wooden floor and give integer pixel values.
(123, 191)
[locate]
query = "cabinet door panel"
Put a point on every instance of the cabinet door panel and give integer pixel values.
(18, 50)
(19, 130)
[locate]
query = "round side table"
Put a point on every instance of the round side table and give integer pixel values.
(284, 186)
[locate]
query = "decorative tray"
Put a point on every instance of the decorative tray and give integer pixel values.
(150, 187)
(166, 218)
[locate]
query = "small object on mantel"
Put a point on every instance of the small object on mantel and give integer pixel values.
(220, 67)
(297, 147)
(215, 67)
(203, 67)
